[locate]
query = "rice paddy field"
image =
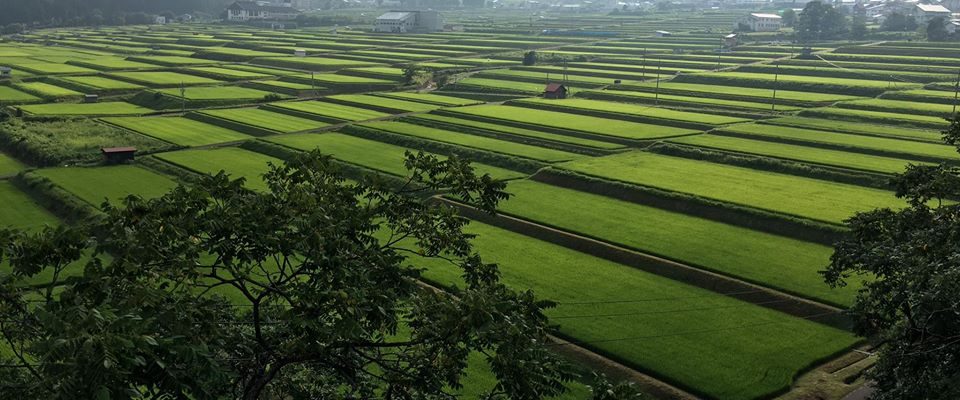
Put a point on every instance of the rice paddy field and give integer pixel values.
(733, 167)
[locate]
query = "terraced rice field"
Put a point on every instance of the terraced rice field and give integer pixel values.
(473, 141)
(369, 154)
(9, 165)
(430, 98)
(860, 128)
(581, 123)
(632, 110)
(219, 93)
(19, 211)
(96, 185)
(47, 90)
(9, 95)
(668, 328)
(265, 119)
(178, 130)
(236, 162)
(511, 130)
(813, 199)
(227, 74)
(382, 103)
(109, 108)
(164, 78)
(332, 110)
(101, 83)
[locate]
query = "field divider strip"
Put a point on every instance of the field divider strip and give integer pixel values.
(748, 292)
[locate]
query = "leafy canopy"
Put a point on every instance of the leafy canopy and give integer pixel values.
(911, 303)
(308, 290)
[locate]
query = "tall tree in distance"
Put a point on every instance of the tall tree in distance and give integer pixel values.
(911, 299)
(309, 289)
(819, 21)
(789, 17)
(937, 30)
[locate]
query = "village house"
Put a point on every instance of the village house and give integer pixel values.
(408, 21)
(760, 22)
(555, 91)
(242, 11)
(925, 12)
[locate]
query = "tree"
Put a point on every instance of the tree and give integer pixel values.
(820, 21)
(530, 58)
(858, 28)
(911, 303)
(789, 17)
(310, 289)
(937, 30)
(898, 22)
(413, 75)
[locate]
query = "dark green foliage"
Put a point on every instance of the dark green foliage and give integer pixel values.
(68, 141)
(305, 290)
(937, 30)
(912, 303)
(898, 22)
(789, 17)
(819, 21)
(858, 28)
(530, 58)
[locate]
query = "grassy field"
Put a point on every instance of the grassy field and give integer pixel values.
(859, 128)
(312, 63)
(711, 344)
(9, 165)
(238, 163)
(573, 122)
(430, 98)
(769, 260)
(900, 106)
(107, 108)
(528, 133)
(178, 130)
(877, 117)
(852, 141)
(370, 154)
(682, 101)
(114, 183)
(634, 109)
(68, 141)
(385, 103)
(704, 90)
(265, 119)
(227, 74)
(534, 76)
(19, 211)
(497, 85)
(332, 110)
(164, 78)
(474, 141)
(833, 158)
(47, 90)
(111, 63)
(9, 95)
(101, 83)
(219, 93)
(803, 197)
(170, 61)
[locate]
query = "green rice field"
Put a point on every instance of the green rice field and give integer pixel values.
(178, 130)
(9, 95)
(383, 103)
(511, 130)
(332, 110)
(19, 211)
(47, 90)
(266, 119)
(236, 162)
(96, 185)
(163, 78)
(107, 108)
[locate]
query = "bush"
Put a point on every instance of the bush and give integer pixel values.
(68, 141)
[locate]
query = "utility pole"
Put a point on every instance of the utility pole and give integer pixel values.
(956, 90)
(183, 98)
(776, 77)
(643, 69)
(656, 96)
(719, 52)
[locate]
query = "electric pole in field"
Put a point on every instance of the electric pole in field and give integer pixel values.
(643, 69)
(776, 77)
(656, 96)
(183, 98)
(956, 90)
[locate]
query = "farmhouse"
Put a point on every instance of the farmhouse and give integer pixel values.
(242, 11)
(760, 22)
(925, 12)
(117, 155)
(555, 91)
(409, 21)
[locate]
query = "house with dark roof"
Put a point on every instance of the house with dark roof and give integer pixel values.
(555, 91)
(242, 11)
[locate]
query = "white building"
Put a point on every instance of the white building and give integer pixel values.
(760, 22)
(925, 12)
(408, 21)
(241, 11)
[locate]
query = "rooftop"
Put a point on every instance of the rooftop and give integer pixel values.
(394, 15)
(933, 8)
(762, 15)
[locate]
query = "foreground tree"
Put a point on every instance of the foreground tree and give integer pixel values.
(307, 290)
(911, 303)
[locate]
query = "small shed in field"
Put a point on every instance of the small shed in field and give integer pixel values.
(555, 91)
(117, 155)
(6, 72)
(91, 98)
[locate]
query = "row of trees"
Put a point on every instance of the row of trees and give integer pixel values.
(96, 12)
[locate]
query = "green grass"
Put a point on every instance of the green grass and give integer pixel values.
(573, 122)
(227, 74)
(9, 95)
(833, 158)
(793, 195)
(164, 78)
(114, 183)
(923, 95)
(398, 106)
(108, 108)
(498, 85)
(332, 110)
(430, 98)
(473, 141)
(170, 61)
(10, 165)
(45, 68)
(261, 70)
(19, 211)
(47, 90)
(238, 163)
(496, 128)
(853, 141)
(710, 344)
(760, 94)
(313, 63)
(218, 93)
(534, 76)
(265, 119)
(370, 154)
(178, 130)
(685, 101)
(634, 109)
(900, 106)
(878, 117)
(68, 141)
(859, 128)
(101, 83)
(111, 64)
